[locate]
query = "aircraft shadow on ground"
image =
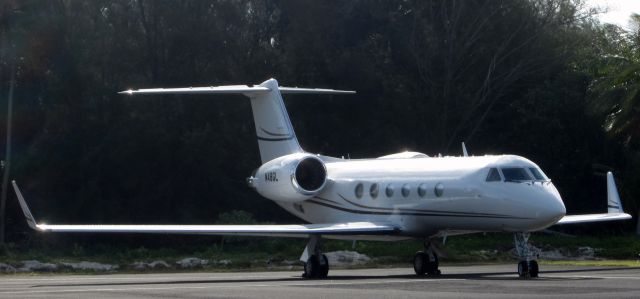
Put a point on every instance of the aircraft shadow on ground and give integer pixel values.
(467, 276)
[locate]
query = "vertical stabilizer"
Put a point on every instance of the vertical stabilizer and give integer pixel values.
(273, 128)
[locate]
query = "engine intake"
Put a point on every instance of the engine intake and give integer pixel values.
(294, 177)
(310, 175)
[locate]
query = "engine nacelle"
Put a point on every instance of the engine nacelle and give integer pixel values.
(292, 178)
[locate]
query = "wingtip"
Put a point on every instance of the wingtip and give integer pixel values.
(614, 204)
(31, 221)
(127, 92)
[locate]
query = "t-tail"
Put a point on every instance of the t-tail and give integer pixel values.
(274, 131)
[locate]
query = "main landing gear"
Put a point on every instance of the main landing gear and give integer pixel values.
(316, 264)
(426, 262)
(528, 266)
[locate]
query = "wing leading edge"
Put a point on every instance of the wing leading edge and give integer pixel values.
(272, 230)
(614, 211)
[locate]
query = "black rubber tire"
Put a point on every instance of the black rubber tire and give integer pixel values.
(533, 268)
(312, 267)
(523, 269)
(432, 266)
(420, 263)
(324, 267)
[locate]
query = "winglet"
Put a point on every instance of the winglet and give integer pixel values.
(613, 198)
(464, 150)
(25, 209)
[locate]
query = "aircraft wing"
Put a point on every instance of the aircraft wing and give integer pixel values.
(614, 205)
(274, 230)
(571, 219)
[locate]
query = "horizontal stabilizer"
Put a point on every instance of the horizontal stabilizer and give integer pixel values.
(235, 89)
(298, 90)
(274, 131)
(274, 230)
(230, 89)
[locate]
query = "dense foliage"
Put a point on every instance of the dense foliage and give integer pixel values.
(535, 78)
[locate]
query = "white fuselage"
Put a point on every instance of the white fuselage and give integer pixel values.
(428, 195)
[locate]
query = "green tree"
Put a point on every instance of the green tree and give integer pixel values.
(617, 87)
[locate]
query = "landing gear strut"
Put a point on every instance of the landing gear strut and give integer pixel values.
(316, 264)
(528, 266)
(426, 262)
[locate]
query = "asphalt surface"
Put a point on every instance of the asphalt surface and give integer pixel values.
(492, 281)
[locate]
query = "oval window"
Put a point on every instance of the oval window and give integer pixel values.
(438, 189)
(422, 190)
(389, 190)
(373, 190)
(359, 190)
(406, 190)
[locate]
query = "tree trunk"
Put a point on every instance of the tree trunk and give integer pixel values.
(638, 226)
(7, 158)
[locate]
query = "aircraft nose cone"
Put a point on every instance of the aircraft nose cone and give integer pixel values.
(558, 211)
(554, 207)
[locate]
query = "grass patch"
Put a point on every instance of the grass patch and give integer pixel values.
(595, 263)
(263, 253)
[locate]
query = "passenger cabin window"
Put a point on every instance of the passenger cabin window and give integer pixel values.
(515, 174)
(538, 174)
(494, 175)
(389, 190)
(438, 190)
(422, 190)
(359, 190)
(406, 189)
(373, 191)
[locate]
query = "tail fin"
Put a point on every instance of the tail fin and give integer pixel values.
(274, 131)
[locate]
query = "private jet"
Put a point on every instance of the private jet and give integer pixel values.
(407, 195)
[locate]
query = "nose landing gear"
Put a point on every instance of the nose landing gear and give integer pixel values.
(528, 266)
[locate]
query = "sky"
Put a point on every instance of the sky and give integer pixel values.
(618, 10)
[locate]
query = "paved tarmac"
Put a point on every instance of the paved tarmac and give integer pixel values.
(486, 281)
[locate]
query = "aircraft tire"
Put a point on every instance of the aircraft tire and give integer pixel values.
(324, 267)
(431, 267)
(419, 263)
(312, 267)
(533, 268)
(523, 269)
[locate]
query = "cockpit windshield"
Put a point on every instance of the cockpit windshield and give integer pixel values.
(515, 174)
(493, 176)
(538, 174)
